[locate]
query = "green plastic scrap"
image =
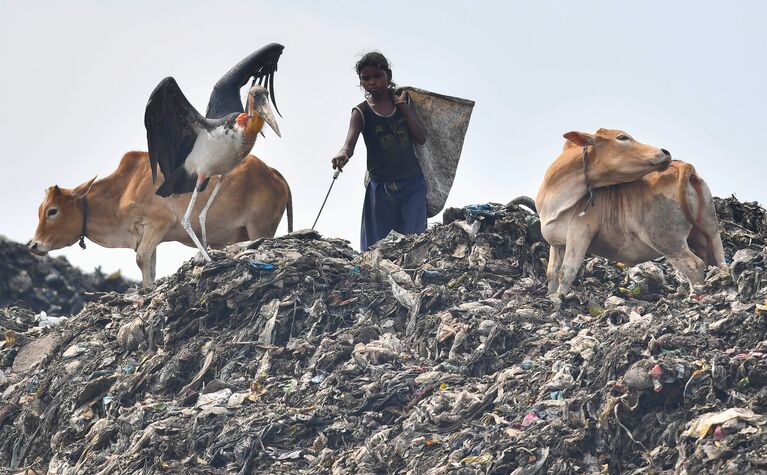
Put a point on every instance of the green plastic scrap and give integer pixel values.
(290, 386)
(633, 289)
(596, 310)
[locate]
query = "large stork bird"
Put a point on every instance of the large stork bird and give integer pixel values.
(191, 148)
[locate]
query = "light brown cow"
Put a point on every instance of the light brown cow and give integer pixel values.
(644, 206)
(124, 211)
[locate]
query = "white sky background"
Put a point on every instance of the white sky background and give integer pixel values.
(688, 76)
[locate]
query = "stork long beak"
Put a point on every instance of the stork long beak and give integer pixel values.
(258, 103)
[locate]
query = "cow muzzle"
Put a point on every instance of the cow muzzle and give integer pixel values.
(662, 160)
(37, 248)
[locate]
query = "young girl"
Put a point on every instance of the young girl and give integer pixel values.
(396, 194)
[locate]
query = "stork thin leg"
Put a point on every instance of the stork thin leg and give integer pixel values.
(188, 226)
(204, 213)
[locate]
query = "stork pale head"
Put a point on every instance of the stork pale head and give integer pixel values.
(258, 105)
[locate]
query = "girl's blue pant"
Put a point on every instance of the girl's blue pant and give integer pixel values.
(393, 205)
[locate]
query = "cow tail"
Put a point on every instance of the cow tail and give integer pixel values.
(289, 206)
(289, 209)
(685, 172)
(525, 201)
(696, 184)
(687, 176)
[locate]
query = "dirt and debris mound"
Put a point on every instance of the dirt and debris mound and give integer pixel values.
(436, 353)
(47, 284)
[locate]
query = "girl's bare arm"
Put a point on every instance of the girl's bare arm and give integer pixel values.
(346, 152)
(414, 126)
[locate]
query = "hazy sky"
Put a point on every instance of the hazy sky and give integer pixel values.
(688, 76)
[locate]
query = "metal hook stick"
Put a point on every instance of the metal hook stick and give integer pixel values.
(335, 175)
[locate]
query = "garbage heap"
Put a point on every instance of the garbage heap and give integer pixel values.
(436, 353)
(47, 284)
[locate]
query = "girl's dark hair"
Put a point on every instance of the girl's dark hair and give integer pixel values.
(376, 60)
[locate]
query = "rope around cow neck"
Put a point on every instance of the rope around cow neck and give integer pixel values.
(589, 188)
(84, 230)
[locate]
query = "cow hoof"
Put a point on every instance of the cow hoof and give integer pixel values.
(556, 299)
(575, 298)
(723, 272)
(201, 258)
(678, 295)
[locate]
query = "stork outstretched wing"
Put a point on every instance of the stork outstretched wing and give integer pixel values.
(259, 65)
(172, 126)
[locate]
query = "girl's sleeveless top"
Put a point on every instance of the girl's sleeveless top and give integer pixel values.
(391, 155)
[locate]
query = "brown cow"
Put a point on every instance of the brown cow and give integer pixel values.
(124, 211)
(643, 206)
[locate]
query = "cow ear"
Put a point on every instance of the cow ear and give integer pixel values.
(83, 189)
(580, 139)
